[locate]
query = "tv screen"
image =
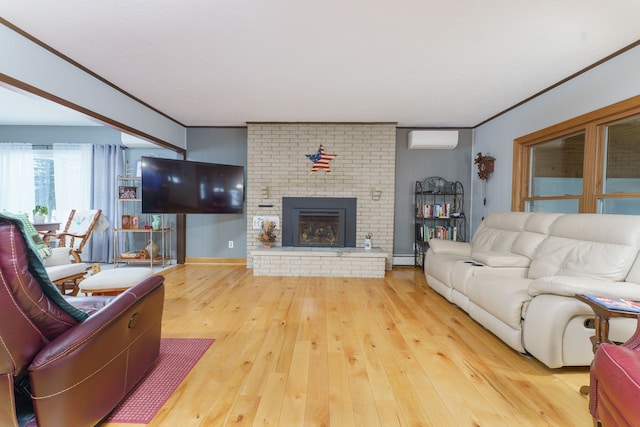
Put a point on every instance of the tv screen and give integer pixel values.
(181, 186)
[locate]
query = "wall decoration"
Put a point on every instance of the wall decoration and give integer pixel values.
(321, 160)
(125, 192)
(485, 166)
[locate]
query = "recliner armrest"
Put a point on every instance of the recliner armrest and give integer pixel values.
(110, 351)
(450, 247)
(500, 259)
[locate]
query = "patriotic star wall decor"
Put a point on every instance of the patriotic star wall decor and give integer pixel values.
(321, 160)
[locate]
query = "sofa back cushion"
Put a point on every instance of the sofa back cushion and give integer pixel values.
(536, 229)
(499, 231)
(590, 245)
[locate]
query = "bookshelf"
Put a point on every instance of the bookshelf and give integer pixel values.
(439, 214)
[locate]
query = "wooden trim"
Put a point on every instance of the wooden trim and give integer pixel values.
(563, 81)
(321, 123)
(217, 261)
(82, 67)
(28, 90)
(593, 125)
(609, 113)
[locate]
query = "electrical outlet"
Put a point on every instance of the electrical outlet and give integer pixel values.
(230, 244)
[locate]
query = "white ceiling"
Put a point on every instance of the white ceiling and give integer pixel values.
(428, 63)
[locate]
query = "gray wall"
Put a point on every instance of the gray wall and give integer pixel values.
(208, 235)
(415, 165)
(46, 135)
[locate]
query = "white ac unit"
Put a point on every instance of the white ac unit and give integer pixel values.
(433, 139)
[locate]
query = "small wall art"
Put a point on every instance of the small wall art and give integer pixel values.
(321, 160)
(125, 192)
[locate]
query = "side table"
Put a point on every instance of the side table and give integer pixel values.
(602, 315)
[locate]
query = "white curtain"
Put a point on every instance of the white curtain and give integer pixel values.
(72, 174)
(15, 159)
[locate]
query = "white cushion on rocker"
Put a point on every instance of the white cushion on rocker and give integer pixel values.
(58, 272)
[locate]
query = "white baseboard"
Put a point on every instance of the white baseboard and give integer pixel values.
(403, 260)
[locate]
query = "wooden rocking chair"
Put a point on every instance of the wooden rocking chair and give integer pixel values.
(75, 235)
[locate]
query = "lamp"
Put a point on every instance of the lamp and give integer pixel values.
(375, 193)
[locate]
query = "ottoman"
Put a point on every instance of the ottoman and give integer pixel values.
(114, 282)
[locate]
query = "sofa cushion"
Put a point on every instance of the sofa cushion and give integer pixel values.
(559, 256)
(590, 245)
(499, 231)
(571, 286)
(441, 266)
(536, 230)
(505, 297)
(500, 259)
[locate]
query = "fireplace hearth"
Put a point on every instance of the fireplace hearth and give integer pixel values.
(319, 221)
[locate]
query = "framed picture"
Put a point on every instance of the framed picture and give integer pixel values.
(134, 221)
(126, 221)
(125, 192)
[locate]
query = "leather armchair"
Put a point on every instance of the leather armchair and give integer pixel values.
(68, 361)
(615, 383)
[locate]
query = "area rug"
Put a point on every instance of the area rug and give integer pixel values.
(177, 357)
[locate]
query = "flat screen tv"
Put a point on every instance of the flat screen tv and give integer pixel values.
(181, 186)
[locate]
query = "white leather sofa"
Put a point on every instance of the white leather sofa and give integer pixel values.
(519, 275)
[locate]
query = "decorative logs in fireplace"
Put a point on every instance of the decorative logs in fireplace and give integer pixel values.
(319, 221)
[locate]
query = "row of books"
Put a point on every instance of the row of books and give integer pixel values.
(439, 210)
(426, 233)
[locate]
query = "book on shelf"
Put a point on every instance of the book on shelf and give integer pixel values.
(443, 232)
(438, 210)
(620, 304)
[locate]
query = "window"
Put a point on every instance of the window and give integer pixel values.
(57, 177)
(621, 172)
(44, 179)
(556, 174)
(587, 164)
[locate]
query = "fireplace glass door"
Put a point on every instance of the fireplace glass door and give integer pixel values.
(319, 228)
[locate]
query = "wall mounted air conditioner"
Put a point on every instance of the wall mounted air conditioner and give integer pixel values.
(433, 139)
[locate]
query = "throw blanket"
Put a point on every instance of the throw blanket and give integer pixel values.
(36, 267)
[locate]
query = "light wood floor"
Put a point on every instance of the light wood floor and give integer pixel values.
(350, 352)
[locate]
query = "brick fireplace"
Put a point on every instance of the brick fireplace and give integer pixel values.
(363, 169)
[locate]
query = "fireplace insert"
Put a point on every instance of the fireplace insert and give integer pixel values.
(319, 221)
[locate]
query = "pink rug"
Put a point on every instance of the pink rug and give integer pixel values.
(177, 357)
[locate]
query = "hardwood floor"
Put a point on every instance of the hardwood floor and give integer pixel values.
(350, 352)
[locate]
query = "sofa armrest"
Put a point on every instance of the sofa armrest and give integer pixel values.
(500, 259)
(110, 351)
(572, 285)
(450, 247)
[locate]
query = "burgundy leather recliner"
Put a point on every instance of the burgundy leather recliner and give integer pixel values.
(615, 383)
(60, 366)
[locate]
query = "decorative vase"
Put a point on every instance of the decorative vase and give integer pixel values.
(152, 249)
(39, 219)
(156, 224)
(266, 245)
(367, 244)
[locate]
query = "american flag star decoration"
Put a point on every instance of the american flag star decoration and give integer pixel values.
(321, 160)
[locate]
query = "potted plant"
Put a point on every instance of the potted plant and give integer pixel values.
(40, 214)
(267, 235)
